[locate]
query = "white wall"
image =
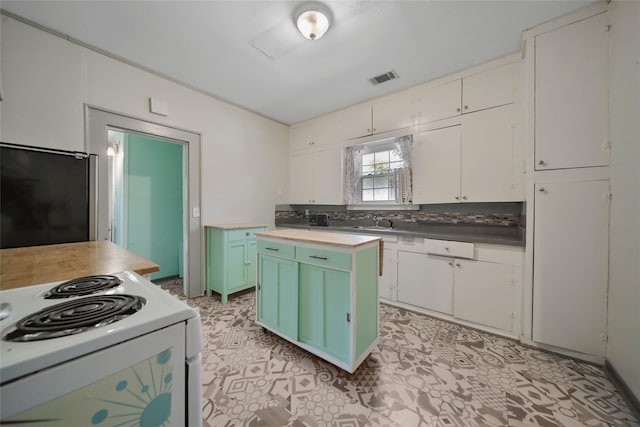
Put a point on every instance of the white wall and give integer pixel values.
(46, 80)
(623, 351)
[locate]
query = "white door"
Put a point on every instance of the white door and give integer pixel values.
(425, 281)
(301, 178)
(488, 89)
(571, 95)
(438, 102)
(327, 177)
(484, 293)
(571, 221)
(436, 166)
(487, 156)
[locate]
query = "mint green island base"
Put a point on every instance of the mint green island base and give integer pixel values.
(319, 290)
(231, 257)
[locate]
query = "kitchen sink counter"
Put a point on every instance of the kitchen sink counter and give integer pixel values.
(50, 263)
(498, 235)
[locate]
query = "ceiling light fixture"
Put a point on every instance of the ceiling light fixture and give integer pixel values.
(312, 20)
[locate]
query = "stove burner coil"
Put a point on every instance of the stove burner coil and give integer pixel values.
(75, 316)
(83, 286)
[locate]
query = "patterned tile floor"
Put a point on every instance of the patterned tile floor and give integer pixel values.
(424, 372)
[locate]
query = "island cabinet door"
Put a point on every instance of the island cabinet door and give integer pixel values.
(278, 295)
(325, 301)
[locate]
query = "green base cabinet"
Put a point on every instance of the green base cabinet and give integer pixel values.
(231, 257)
(321, 298)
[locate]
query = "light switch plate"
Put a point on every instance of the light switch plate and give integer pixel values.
(196, 212)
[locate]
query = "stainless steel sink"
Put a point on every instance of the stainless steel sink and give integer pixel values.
(370, 227)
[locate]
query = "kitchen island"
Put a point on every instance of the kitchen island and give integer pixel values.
(35, 265)
(319, 291)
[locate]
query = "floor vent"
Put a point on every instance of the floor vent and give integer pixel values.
(383, 77)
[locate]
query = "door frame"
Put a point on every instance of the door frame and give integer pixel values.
(97, 122)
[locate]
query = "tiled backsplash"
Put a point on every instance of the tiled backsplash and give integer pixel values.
(509, 214)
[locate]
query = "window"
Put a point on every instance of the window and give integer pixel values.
(378, 179)
(378, 172)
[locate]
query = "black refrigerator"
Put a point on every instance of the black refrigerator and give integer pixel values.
(46, 196)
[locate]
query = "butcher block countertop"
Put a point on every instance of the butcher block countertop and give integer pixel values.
(309, 236)
(51, 263)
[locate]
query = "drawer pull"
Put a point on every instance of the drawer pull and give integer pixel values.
(324, 258)
(248, 234)
(272, 249)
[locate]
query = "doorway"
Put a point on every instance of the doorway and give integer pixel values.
(146, 204)
(98, 124)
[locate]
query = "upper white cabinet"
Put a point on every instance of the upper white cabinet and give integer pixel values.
(488, 89)
(395, 111)
(488, 166)
(571, 223)
(571, 95)
(437, 102)
(315, 177)
(436, 166)
(313, 133)
(355, 122)
(473, 162)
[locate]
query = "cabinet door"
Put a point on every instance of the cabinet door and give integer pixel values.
(278, 295)
(570, 268)
(488, 89)
(327, 177)
(355, 122)
(571, 95)
(324, 303)
(387, 283)
(236, 264)
(425, 280)
(393, 112)
(252, 250)
(436, 166)
(438, 102)
(487, 156)
(484, 293)
(301, 178)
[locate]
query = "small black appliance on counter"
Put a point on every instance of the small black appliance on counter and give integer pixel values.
(321, 220)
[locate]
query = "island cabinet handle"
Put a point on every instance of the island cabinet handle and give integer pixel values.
(272, 249)
(324, 258)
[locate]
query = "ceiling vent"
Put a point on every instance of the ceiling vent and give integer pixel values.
(383, 77)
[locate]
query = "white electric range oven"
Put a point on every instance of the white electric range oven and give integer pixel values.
(114, 350)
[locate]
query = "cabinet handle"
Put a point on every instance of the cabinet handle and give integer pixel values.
(542, 162)
(466, 107)
(457, 265)
(457, 197)
(324, 258)
(446, 248)
(348, 317)
(272, 249)
(542, 189)
(247, 234)
(458, 109)
(368, 129)
(451, 264)
(464, 197)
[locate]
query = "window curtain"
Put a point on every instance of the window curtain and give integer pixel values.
(404, 176)
(352, 174)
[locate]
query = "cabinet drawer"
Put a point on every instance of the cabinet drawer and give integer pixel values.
(276, 249)
(324, 257)
(243, 233)
(449, 248)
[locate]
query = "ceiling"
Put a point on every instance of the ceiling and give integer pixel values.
(250, 54)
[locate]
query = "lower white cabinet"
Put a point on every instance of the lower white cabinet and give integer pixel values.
(426, 281)
(485, 293)
(387, 282)
(485, 290)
